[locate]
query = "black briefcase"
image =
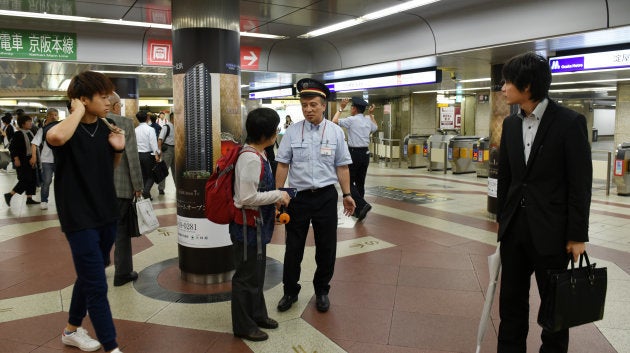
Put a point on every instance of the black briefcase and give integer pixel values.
(574, 297)
(159, 172)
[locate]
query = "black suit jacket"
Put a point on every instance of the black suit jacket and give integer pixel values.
(556, 182)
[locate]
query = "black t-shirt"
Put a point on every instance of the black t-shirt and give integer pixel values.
(84, 179)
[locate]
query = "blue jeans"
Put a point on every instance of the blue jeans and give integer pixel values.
(90, 248)
(48, 169)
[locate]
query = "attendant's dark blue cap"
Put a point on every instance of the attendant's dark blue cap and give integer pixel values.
(307, 87)
(359, 102)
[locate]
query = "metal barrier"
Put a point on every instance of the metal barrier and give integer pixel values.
(602, 167)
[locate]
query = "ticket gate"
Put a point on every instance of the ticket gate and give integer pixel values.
(621, 169)
(437, 152)
(481, 156)
(460, 154)
(413, 148)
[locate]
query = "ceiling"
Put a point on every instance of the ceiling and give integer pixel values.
(292, 18)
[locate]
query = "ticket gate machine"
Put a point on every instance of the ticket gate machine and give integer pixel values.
(621, 169)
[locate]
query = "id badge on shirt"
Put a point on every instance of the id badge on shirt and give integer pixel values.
(326, 151)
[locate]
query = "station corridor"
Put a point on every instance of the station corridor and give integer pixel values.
(410, 278)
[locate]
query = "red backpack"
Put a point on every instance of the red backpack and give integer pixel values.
(219, 203)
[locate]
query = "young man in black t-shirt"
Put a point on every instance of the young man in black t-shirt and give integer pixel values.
(86, 152)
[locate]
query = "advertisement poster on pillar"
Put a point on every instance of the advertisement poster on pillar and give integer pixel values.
(450, 118)
(207, 119)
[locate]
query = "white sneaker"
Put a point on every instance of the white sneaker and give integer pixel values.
(117, 351)
(43, 205)
(81, 340)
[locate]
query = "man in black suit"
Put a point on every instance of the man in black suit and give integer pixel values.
(543, 196)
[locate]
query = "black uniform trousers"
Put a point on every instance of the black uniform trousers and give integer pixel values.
(519, 259)
(147, 161)
(318, 207)
(358, 172)
(26, 177)
(248, 300)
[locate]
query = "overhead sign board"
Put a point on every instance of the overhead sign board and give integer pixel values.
(592, 61)
(272, 93)
(21, 44)
(408, 79)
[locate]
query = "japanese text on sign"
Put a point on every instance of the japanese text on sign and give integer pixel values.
(18, 44)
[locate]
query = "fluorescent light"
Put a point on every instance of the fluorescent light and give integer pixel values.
(120, 22)
(46, 16)
(332, 28)
(141, 73)
(396, 9)
(261, 35)
(369, 17)
(589, 81)
(441, 91)
(484, 79)
(592, 89)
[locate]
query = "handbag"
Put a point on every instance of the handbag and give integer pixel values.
(147, 220)
(159, 171)
(574, 297)
(132, 220)
(164, 145)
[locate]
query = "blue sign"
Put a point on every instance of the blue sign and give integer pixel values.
(567, 65)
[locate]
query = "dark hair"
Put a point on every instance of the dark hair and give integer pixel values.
(153, 118)
(89, 83)
(360, 108)
(22, 119)
(261, 124)
(19, 112)
(141, 116)
(6, 118)
(529, 69)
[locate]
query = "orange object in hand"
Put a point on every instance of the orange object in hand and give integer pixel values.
(282, 216)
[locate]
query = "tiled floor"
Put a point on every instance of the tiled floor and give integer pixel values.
(411, 278)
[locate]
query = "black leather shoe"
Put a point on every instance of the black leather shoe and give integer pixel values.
(364, 211)
(255, 336)
(30, 201)
(121, 280)
(322, 303)
(7, 198)
(285, 303)
(267, 323)
(161, 192)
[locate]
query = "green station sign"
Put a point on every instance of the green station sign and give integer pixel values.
(26, 44)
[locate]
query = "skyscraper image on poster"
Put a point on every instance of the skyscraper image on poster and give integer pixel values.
(198, 110)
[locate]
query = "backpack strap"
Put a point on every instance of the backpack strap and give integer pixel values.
(168, 131)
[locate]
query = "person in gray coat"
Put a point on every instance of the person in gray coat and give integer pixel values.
(128, 183)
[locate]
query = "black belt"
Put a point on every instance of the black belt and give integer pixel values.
(318, 190)
(358, 148)
(145, 152)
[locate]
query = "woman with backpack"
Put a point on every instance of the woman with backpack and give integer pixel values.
(254, 189)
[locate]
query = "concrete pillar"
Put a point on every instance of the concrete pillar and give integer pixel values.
(207, 107)
(423, 114)
(500, 110)
(622, 113)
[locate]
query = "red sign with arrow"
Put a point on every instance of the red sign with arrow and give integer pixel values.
(250, 57)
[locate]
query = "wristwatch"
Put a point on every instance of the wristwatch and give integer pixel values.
(340, 110)
(346, 195)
